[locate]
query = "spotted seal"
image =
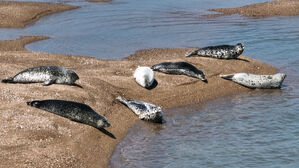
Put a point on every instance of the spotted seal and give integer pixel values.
(74, 111)
(145, 111)
(256, 81)
(180, 68)
(144, 76)
(44, 74)
(221, 51)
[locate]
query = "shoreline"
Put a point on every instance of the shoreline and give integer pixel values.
(261, 10)
(35, 138)
(15, 14)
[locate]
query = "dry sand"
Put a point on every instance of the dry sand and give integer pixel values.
(266, 9)
(30, 137)
(20, 14)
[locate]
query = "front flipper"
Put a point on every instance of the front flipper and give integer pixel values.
(49, 82)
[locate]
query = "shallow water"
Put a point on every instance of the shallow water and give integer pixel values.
(254, 129)
(119, 28)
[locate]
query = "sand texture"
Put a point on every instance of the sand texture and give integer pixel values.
(30, 137)
(259, 10)
(20, 14)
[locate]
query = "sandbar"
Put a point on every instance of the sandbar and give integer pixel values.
(261, 10)
(19, 14)
(31, 137)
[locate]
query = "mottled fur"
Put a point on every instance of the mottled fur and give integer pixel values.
(145, 111)
(180, 68)
(221, 51)
(256, 81)
(44, 74)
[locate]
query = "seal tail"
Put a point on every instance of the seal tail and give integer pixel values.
(122, 100)
(190, 53)
(8, 80)
(227, 77)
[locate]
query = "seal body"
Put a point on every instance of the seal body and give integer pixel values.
(144, 76)
(256, 81)
(145, 111)
(180, 68)
(74, 111)
(221, 51)
(44, 74)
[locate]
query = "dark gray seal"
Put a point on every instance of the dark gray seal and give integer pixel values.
(180, 68)
(44, 74)
(145, 111)
(74, 111)
(254, 81)
(221, 51)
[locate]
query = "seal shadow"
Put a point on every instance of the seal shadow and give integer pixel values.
(241, 59)
(107, 133)
(77, 85)
(155, 84)
(192, 82)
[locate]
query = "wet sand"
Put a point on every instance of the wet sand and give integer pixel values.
(99, 0)
(259, 10)
(20, 14)
(30, 137)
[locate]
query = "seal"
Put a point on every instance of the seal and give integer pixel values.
(145, 111)
(44, 74)
(74, 111)
(180, 68)
(144, 76)
(254, 81)
(221, 51)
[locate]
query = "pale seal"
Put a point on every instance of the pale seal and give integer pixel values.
(180, 68)
(44, 74)
(144, 76)
(256, 81)
(145, 111)
(74, 111)
(221, 51)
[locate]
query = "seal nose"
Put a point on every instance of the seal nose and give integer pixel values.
(33, 103)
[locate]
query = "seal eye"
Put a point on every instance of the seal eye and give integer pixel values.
(35, 104)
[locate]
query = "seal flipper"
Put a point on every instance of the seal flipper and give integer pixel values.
(190, 53)
(122, 100)
(228, 77)
(49, 82)
(8, 80)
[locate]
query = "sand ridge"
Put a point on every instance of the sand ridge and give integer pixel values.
(32, 137)
(260, 10)
(19, 14)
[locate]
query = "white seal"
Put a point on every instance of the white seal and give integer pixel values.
(144, 76)
(256, 81)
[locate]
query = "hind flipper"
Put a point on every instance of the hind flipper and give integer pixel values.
(227, 77)
(8, 80)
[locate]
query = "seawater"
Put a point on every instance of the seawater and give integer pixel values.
(255, 129)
